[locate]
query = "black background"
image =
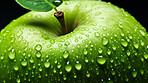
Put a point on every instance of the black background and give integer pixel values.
(10, 10)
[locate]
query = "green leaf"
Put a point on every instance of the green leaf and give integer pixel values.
(39, 5)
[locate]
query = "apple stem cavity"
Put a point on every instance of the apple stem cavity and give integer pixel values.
(60, 16)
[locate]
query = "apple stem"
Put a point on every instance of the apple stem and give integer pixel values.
(60, 16)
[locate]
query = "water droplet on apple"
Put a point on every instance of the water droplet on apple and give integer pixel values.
(128, 53)
(142, 33)
(130, 36)
(136, 45)
(16, 68)
(85, 52)
(120, 25)
(38, 54)
(104, 28)
(100, 50)
(97, 13)
(124, 43)
(12, 40)
(40, 69)
(18, 80)
(65, 54)
(38, 47)
(31, 60)
(30, 15)
(68, 67)
(52, 41)
(114, 47)
(87, 74)
(86, 59)
(141, 71)
(97, 34)
(2, 56)
(134, 73)
(105, 41)
(64, 77)
(20, 38)
(24, 63)
(75, 76)
(109, 52)
(122, 34)
(78, 66)
(67, 43)
(11, 54)
(60, 45)
(101, 60)
(19, 33)
(59, 65)
(146, 56)
(47, 64)
(113, 72)
(142, 43)
(57, 2)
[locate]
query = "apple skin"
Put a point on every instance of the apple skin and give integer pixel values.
(107, 45)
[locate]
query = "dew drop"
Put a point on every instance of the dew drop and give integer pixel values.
(142, 43)
(60, 45)
(58, 65)
(101, 60)
(97, 34)
(142, 33)
(16, 68)
(97, 13)
(86, 59)
(114, 47)
(75, 76)
(100, 50)
(68, 68)
(115, 35)
(113, 72)
(124, 43)
(128, 53)
(38, 54)
(11, 54)
(85, 52)
(78, 66)
(65, 54)
(47, 64)
(31, 60)
(38, 47)
(141, 71)
(52, 41)
(105, 41)
(134, 73)
(64, 77)
(67, 43)
(130, 37)
(122, 34)
(18, 80)
(12, 40)
(87, 74)
(136, 45)
(24, 63)
(120, 25)
(109, 52)
(97, 71)
(146, 56)
(19, 33)
(57, 2)
(2, 57)
(40, 69)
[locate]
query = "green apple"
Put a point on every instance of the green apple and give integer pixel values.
(104, 44)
